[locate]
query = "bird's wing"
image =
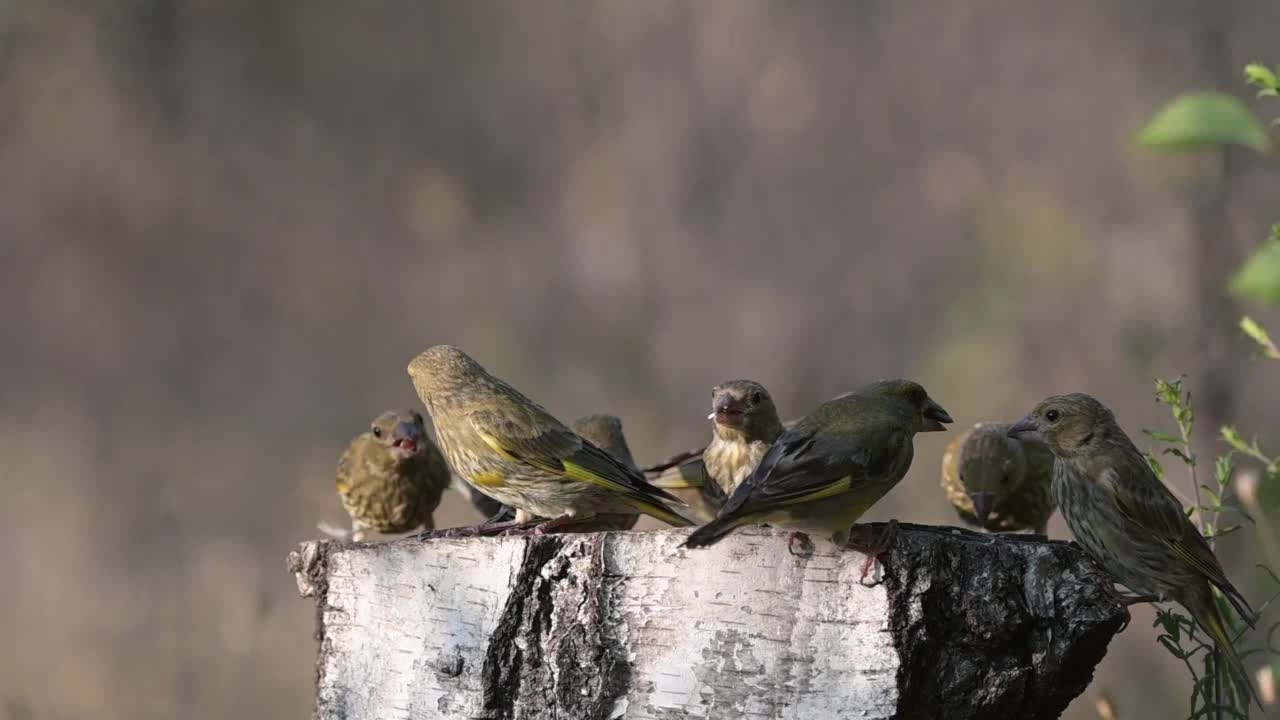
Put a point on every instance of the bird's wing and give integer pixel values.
(802, 467)
(544, 443)
(1145, 501)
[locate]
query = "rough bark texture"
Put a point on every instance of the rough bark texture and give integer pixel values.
(629, 625)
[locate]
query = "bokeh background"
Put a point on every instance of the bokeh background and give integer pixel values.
(227, 225)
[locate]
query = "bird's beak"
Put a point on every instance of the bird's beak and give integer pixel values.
(728, 412)
(405, 437)
(982, 504)
(1025, 426)
(934, 417)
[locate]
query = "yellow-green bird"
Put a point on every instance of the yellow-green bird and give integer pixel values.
(744, 423)
(391, 477)
(1127, 520)
(511, 449)
(999, 483)
(824, 473)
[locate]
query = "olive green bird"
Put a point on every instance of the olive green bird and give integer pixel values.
(999, 483)
(824, 473)
(603, 431)
(391, 477)
(1128, 521)
(511, 449)
(744, 423)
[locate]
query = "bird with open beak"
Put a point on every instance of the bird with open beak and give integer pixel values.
(391, 477)
(744, 424)
(824, 473)
(1128, 521)
(999, 483)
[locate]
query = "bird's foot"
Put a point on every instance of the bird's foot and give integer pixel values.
(334, 531)
(797, 539)
(504, 515)
(873, 547)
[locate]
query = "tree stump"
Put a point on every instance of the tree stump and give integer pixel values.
(950, 624)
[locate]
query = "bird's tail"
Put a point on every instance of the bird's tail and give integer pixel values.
(714, 531)
(1210, 619)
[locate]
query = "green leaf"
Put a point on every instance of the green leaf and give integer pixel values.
(1162, 437)
(1197, 120)
(1260, 75)
(1260, 336)
(1259, 277)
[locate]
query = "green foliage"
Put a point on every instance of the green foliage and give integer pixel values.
(1259, 335)
(1199, 120)
(1211, 693)
(1259, 277)
(1267, 81)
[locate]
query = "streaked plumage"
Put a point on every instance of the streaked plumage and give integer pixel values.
(391, 477)
(999, 483)
(511, 449)
(824, 473)
(1125, 517)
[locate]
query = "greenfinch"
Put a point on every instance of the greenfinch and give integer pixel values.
(824, 473)
(1128, 521)
(999, 483)
(391, 477)
(511, 449)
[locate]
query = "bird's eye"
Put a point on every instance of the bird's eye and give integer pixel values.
(755, 397)
(1051, 416)
(377, 431)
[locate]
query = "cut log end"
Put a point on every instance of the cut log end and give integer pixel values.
(631, 625)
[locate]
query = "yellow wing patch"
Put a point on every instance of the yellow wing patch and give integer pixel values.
(842, 485)
(495, 445)
(581, 474)
(492, 478)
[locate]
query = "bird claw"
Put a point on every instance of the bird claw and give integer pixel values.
(802, 540)
(874, 547)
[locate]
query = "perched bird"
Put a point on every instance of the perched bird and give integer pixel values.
(1127, 520)
(744, 424)
(999, 483)
(825, 472)
(391, 477)
(511, 449)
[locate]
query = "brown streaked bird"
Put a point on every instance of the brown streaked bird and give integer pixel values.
(824, 473)
(391, 477)
(999, 483)
(605, 432)
(511, 449)
(1129, 521)
(744, 423)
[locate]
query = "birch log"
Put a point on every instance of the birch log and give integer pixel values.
(950, 624)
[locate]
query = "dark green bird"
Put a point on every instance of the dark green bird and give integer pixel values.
(824, 473)
(391, 477)
(511, 449)
(999, 483)
(744, 424)
(1127, 520)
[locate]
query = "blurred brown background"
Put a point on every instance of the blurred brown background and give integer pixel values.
(227, 225)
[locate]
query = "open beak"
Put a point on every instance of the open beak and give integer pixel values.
(982, 504)
(1025, 426)
(404, 437)
(935, 417)
(728, 413)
